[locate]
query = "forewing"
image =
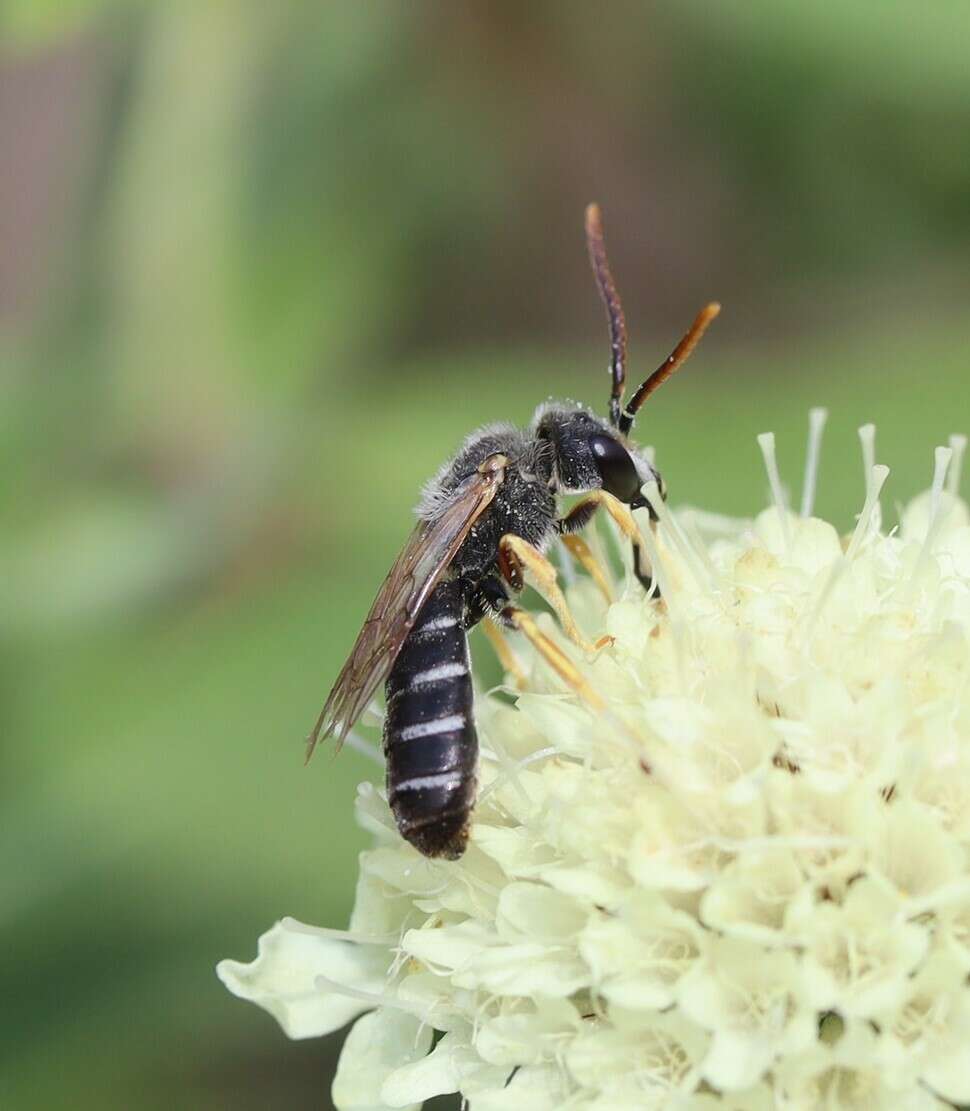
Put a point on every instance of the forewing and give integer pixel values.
(429, 550)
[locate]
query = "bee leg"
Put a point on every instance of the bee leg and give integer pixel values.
(553, 655)
(582, 513)
(488, 602)
(579, 516)
(583, 554)
(510, 565)
(643, 570)
(488, 597)
(506, 657)
(518, 555)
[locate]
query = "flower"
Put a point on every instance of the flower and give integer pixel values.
(741, 880)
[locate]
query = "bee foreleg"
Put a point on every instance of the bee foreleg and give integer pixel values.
(521, 555)
(643, 570)
(578, 517)
(553, 655)
(582, 513)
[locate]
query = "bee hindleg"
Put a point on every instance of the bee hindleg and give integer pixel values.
(553, 655)
(521, 555)
(582, 513)
(506, 657)
(488, 598)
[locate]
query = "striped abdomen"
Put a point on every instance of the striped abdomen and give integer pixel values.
(429, 731)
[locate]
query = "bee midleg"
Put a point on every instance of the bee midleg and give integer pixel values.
(582, 513)
(429, 730)
(524, 556)
(553, 655)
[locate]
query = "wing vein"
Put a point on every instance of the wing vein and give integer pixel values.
(424, 559)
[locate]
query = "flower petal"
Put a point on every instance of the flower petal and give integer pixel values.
(283, 978)
(535, 1087)
(452, 1064)
(379, 1044)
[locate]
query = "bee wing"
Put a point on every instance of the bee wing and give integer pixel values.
(429, 550)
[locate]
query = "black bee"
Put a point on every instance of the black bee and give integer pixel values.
(459, 566)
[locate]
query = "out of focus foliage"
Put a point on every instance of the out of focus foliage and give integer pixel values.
(263, 266)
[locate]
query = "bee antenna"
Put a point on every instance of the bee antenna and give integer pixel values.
(596, 246)
(674, 361)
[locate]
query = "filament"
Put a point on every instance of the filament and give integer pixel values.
(365, 748)
(766, 441)
(874, 485)
(816, 425)
(696, 564)
(958, 445)
(941, 461)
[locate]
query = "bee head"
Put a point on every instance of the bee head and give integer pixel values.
(589, 454)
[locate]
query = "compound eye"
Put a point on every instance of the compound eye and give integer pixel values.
(616, 468)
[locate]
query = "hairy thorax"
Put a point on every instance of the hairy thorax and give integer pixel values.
(524, 504)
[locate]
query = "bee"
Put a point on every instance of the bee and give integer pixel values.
(487, 513)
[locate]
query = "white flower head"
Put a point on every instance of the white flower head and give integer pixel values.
(739, 879)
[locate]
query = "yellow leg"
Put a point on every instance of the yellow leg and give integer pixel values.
(583, 554)
(555, 657)
(521, 552)
(624, 519)
(506, 656)
(617, 510)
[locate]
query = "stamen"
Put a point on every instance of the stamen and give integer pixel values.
(813, 614)
(376, 999)
(698, 568)
(941, 461)
(874, 484)
(958, 445)
(365, 748)
(507, 774)
(374, 714)
(867, 437)
(657, 567)
(766, 441)
(716, 524)
(816, 425)
(689, 524)
(506, 768)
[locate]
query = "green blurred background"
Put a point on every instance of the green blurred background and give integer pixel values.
(261, 267)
